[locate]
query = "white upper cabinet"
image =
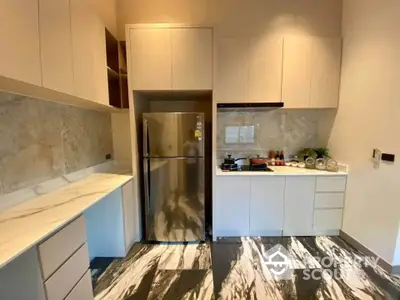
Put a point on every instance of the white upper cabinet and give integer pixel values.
(100, 61)
(296, 72)
(299, 205)
(311, 72)
(325, 72)
(171, 58)
(151, 59)
(82, 49)
(192, 54)
(231, 70)
(55, 45)
(266, 205)
(265, 70)
(19, 33)
(248, 70)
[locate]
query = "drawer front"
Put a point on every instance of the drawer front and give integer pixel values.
(63, 281)
(327, 219)
(331, 184)
(58, 248)
(83, 290)
(329, 200)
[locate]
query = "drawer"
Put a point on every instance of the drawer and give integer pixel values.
(329, 200)
(63, 281)
(331, 183)
(327, 219)
(83, 290)
(59, 247)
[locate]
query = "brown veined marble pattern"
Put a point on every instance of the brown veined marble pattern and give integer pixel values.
(86, 137)
(42, 140)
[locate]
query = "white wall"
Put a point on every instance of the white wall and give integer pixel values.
(121, 137)
(238, 17)
(368, 117)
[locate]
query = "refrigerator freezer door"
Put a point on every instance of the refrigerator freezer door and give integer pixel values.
(173, 134)
(176, 200)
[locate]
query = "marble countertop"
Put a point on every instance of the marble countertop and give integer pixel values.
(24, 225)
(285, 171)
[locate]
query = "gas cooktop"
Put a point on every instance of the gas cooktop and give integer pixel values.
(247, 168)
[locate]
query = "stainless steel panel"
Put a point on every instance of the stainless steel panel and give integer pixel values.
(173, 134)
(145, 138)
(176, 207)
(146, 181)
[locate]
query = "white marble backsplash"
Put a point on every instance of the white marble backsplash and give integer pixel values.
(42, 140)
(282, 129)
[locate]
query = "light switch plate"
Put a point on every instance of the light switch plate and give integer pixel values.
(377, 155)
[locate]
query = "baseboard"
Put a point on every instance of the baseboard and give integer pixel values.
(356, 244)
(268, 233)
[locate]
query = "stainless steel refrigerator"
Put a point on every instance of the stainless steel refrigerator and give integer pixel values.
(173, 164)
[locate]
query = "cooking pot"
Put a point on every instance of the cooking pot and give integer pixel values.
(258, 160)
(229, 160)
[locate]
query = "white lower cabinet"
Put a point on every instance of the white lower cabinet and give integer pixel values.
(327, 220)
(22, 279)
(278, 205)
(299, 205)
(232, 206)
(56, 250)
(329, 200)
(64, 260)
(128, 204)
(267, 196)
(62, 282)
(83, 290)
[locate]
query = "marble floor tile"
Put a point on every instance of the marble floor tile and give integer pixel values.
(238, 271)
(301, 258)
(131, 277)
(182, 284)
(184, 257)
(356, 278)
(98, 266)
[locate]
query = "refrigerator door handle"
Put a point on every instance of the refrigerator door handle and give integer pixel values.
(146, 186)
(145, 138)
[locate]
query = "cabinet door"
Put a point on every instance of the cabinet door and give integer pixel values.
(151, 59)
(327, 220)
(128, 203)
(83, 289)
(232, 206)
(231, 72)
(192, 58)
(19, 33)
(266, 205)
(100, 61)
(265, 70)
(55, 45)
(325, 72)
(296, 72)
(299, 205)
(82, 49)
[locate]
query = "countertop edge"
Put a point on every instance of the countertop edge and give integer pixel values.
(70, 219)
(221, 173)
